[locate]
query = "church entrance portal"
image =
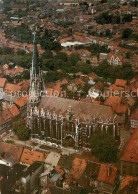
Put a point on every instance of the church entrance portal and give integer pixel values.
(69, 142)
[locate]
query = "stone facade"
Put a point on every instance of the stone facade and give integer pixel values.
(58, 128)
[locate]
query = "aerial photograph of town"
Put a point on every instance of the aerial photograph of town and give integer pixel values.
(68, 96)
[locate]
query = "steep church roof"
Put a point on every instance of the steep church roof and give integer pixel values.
(80, 109)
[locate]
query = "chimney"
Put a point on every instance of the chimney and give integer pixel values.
(109, 171)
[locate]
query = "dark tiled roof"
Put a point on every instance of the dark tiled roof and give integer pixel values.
(32, 168)
(10, 151)
(80, 109)
(66, 161)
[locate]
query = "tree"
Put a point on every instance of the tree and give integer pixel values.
(104, 146)
(74, 59)
(134, 3)
(21, 52)
(103, 1)
(127, 71)
(51, 45)
(59, 64)
(61, 55)
(127, 18)
(52, 76)
(26, 75)
(127, 33)
(47, 55)
(128, 55)
(108, 33)
(6, 51)
(20, 129)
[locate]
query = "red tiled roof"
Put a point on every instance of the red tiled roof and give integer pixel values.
(12, 88)
(115, 103)
(120, 82)
(14, 110)
(115, 56)
(79, 73)
(96, 102)
(30, 156)
(2, 82)
(135, 114)
(79, 81)
(14, 71)
(113, 87)
(76, 171)
(22, 101)
(127, 180)
(131, 151)
(7, 115)
(59, 170)
(93, 75)
(107, 174)
(24, 85)
(82, 52)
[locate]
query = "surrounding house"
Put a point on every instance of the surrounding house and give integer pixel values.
(78, 168)
(29, 156)
(108, 179)
(12, 89)
(114, 59)
(2, 84)
(30, 177)
(129, 159)
(6, 117)
(9, 153)
(17, 70)
(103, 56)
(129, 183)
(21, 102)
(52, 159)
(134, 119)
(119, 108)
(9, 178)
(93, 93)
(65, 162)
(121, 83)
(92, 76)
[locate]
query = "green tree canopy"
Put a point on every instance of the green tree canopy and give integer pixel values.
(61, 55)
(20, 129)
(127, 33)
(74, 59)
(104, 146)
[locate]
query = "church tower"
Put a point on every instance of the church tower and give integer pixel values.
(36, 84)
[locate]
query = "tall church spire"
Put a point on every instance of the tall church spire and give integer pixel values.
(35, 58)
(37, 86)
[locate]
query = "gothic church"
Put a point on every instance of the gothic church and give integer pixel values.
(63, 121)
